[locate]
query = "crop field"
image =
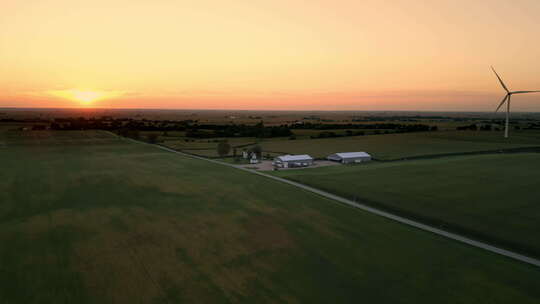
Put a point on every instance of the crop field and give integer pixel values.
(383, 147)
(51, 138)
(492, 197)
(106, 220)
(212, 143)
(164, 135)
(307, 133)
(207, 147)
(395, 146)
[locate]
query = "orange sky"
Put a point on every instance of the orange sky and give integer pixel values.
(260, 54)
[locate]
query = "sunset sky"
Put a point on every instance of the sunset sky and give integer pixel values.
(271, 54)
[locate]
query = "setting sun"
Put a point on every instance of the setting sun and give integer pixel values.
(84, 97)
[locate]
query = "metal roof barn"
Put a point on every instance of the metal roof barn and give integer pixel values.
(287, 161)
(350, 157)
(299, 157)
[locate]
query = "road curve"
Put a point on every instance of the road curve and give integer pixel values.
(453, 236)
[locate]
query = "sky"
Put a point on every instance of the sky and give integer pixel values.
(269, 55)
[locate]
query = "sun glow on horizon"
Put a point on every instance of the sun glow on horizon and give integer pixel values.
(84, 97)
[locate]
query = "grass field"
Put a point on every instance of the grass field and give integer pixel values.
(385, 147)
(306, 133)
(392, 146)
(494, 197)
(121, 222)
(207, 147)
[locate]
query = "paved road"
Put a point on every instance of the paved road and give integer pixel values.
(385, 214)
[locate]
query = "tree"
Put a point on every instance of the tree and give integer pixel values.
(152, 138)
(223, 148)
(133, 134)
(257, 150)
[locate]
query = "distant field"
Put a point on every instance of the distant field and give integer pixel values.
(451, 119)
(307, 133)
(495, 197)
(48, 138)
(169, 134)
(384, 147)
(129, 223)
(207, 147)
(392, 146)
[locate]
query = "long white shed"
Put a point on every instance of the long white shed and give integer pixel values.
(349, 157)
(289, 161)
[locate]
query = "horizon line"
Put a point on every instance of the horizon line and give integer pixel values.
(247, 110)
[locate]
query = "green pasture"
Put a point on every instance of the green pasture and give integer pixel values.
(491, 197)
(112, 221)
(393, 146)
(307, 133)
(381, 146)
(208, 144)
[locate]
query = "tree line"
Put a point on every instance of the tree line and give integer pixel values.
(258, 130)
(377, 126)
(130, 127)
(192, 127)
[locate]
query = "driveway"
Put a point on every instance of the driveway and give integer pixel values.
(266, 165)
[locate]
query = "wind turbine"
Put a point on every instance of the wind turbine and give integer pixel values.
(507, 99)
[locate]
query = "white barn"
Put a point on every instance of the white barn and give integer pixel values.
(290, 161)
(349, 157)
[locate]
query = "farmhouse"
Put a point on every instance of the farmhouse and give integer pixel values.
(350, 157)
(253, 159)
(291, 161)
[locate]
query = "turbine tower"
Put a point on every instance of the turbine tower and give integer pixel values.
(507, 100)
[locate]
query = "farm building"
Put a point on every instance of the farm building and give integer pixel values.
(350, 157)
(291, 161)
(253, 159)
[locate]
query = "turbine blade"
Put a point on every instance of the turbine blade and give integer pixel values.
(523, 92)
(502, 102)
(500, 80)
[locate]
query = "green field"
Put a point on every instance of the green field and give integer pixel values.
(384, 147)
(306, 133)
(120, 222)
(393, 146)
(207, 147)
(493, 197)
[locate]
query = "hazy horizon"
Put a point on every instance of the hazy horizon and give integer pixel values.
(500, 113)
